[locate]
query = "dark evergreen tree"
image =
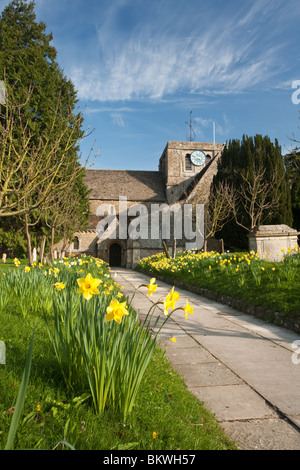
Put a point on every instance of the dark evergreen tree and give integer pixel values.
(242, 161)
(292, 163)
(26, 56)
(27, 59)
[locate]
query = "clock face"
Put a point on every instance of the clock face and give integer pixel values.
(198, 157)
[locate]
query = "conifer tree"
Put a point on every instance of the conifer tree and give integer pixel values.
(28, 62)
(27, 56)
(292, 162)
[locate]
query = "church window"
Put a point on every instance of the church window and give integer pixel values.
(76, 243)
(188, 163)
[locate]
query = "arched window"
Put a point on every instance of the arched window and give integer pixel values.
(76, 243)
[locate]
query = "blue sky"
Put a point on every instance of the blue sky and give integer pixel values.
(141, 66)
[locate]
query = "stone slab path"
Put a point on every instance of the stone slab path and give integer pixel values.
(241, 368)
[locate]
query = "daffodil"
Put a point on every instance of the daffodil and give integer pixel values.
(173, 339)
(151, 286)
(27, 269)
(188, 309)
(171, 298)
(59, 285)
(88, 286)
(116, 310)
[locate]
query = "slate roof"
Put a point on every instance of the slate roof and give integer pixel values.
(135, 185)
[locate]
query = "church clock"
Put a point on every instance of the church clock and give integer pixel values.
(198, 157)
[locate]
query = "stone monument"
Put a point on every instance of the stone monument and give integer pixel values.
(272, 241)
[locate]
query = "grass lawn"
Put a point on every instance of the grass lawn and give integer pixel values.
(166, 416)
(271, 285)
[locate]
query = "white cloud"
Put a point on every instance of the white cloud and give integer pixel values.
(220, 58)
(137, 50)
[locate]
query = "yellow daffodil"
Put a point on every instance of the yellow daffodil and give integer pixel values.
(59, 285)
(27, 269)
(154, 435)
(173, 339)
(88, 286)
(17, 262)
(151, 286)
(171, 298)
(116, 310)
(188, 309)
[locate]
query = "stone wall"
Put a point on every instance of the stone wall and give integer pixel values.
(87, 244)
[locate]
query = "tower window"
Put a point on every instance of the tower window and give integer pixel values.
(188, 163)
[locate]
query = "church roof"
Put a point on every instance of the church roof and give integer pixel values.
(135, 185)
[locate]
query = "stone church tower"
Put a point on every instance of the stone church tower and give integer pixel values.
(184, 165)
(185, 174)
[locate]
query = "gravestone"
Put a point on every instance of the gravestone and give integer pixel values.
(272, 241)
(2, 352)
(4, 258)
(34, 255)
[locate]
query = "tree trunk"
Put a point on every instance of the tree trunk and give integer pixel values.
(42, 248)
(166, 250)
(174, 248)
(28, 240)
(52, 245)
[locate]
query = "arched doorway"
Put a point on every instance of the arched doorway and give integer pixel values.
(115, 254)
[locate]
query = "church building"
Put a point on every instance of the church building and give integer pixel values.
(120, 198)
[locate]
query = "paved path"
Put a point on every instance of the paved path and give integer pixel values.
(239, 366)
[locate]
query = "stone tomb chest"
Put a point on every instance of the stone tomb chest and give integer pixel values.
(269, 241)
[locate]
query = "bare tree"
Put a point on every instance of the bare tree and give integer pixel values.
(217, 211)
(256, 197)
(30, 168)
(63, 213)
